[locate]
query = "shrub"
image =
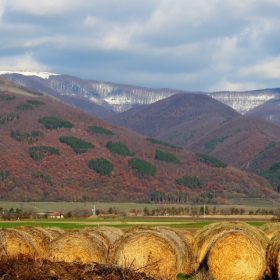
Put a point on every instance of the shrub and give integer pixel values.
(6, 98)
(211, 144)
(25, 107)
(37, 152)
(142, 166)
(100, 129)
(164, 156)
(22, 136)
(77, 144)
(155, 141)
(189, 181)
(119, 148)
(47, 178)
(208, 159)
(35, 102)
(8, 117)
(54, 122)
(101, 165)
(272, 173)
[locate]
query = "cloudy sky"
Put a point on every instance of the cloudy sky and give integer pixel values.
(201, 45)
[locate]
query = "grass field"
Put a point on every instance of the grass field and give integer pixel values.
(180, 222)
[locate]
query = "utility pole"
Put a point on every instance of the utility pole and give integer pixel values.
(204, 211)
(93, 210)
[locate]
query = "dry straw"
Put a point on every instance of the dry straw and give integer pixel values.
(79, 247)
(98, 234)
(112, 233)
(54, 231)
(183, 245)
(273, 256)
(40, 237)
(148, 250)
(204, 238)
(236, 255)
(16, 244)
(188, 235)
(270, 229)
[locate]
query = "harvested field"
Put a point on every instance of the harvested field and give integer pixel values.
(227, 250)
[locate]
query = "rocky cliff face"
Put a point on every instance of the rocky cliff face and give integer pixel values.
(243, 102)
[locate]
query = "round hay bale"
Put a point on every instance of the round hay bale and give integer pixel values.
(188, 235)
(99, 234)
(112, 233)
(40, 237)
(17, 244)
(270, 229)
(79, 247)
(273, 256)
(204, 238)
(147, 250)
(236, 255)
(183, 245)
(54, 231)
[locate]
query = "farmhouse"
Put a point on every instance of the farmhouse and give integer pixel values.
(56, 215)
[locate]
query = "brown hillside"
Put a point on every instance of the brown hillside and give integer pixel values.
(269, 110)
(180, 119)
(66, 176)
(239, 141)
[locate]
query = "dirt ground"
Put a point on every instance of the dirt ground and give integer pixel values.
(46, 270)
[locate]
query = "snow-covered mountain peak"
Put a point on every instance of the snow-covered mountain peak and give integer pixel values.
(43, 75)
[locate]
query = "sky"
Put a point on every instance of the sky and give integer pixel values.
(193, 45)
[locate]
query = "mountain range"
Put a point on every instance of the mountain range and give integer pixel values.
(107, 98)
(53, 151)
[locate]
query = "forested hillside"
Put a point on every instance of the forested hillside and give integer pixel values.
(52, 151)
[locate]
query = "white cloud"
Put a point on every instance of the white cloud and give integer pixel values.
(226, 85)
(46, 7)
(22, 62)
(268, 68)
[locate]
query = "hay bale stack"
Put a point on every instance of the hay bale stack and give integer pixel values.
(40, 237)
(148, 250)
(54, 231)
(184, 246)
(112, 233)
(204, 238)
(270, 229)
(17, 244)
(273, 256)
(79, 247)
(236, 255)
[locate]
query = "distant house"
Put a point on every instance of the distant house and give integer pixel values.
(56, 215)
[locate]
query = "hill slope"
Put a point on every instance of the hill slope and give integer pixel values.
(239, 141)
(47, 158)
(269, 110)
(179, 119)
